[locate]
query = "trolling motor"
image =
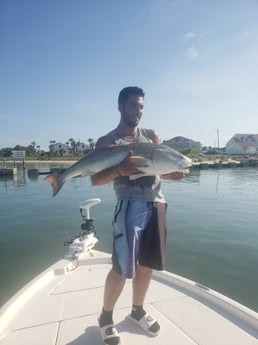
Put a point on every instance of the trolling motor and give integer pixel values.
(86, 240)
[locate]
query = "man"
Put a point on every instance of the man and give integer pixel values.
(139, 227)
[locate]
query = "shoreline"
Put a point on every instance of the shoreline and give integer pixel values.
(9, 162)
(35, 168)
(205, 164)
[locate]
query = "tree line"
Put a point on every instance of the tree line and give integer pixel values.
(35, 150)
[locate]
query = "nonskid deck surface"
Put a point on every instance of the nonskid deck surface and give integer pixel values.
(61, 307)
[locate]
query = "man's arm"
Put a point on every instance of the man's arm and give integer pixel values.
(125, 168)
(153, 135)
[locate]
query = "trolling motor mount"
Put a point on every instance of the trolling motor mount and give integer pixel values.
(87, 239)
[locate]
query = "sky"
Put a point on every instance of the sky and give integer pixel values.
(63, 63)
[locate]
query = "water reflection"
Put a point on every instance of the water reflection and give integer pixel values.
(15, 180)
(193, 176)
(32, 171)
(234, 177)
(212, 218)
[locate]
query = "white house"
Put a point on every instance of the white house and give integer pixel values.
(61, 149)
(82, 148)
(241, 144)
(183, 143)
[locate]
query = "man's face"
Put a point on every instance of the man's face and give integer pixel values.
(131, 111)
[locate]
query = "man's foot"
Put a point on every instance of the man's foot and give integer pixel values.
(144, 320)
(109, 335)
(108, 332)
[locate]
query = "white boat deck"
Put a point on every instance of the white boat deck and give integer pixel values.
(61, 307)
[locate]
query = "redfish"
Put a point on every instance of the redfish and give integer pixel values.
(154, 159)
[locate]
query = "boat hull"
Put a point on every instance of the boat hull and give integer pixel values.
(62, 304)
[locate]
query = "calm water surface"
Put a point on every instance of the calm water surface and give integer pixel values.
(212, 228)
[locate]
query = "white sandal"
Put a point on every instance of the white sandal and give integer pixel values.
(145, 323)
(109, 332)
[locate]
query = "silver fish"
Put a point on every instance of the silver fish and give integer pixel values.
(159, 160)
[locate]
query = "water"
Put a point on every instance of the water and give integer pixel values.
(212, 228)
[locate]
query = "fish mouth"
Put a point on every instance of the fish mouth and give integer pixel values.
(185, 167)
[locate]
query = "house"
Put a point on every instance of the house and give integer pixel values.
(181, 143)
(241, 144)
(82, 148)
(59, 148)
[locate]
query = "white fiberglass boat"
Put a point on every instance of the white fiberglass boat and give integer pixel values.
(62, 304)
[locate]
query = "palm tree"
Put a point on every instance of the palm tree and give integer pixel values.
(73, 144)
(51, 146)
(91, 143)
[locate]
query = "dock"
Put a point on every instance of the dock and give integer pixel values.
(221, 164)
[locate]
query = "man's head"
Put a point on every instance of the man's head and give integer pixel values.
(129, 91)
(130, 105)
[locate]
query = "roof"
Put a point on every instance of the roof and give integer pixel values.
(244, 144)
(179, 139)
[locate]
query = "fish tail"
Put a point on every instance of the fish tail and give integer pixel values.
(55, 181)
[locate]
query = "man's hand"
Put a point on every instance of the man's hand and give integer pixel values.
(128, 166)
(173, 176)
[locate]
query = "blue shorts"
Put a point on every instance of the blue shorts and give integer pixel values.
(139, 236)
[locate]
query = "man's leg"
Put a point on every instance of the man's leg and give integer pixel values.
(113, 288)
(141, 283)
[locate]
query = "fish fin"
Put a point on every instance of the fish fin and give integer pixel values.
(136, 176)
(137, 157)
(55, 182)
(139, 160)
(143, 163)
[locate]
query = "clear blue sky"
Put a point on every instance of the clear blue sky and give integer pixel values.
(63, 62)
